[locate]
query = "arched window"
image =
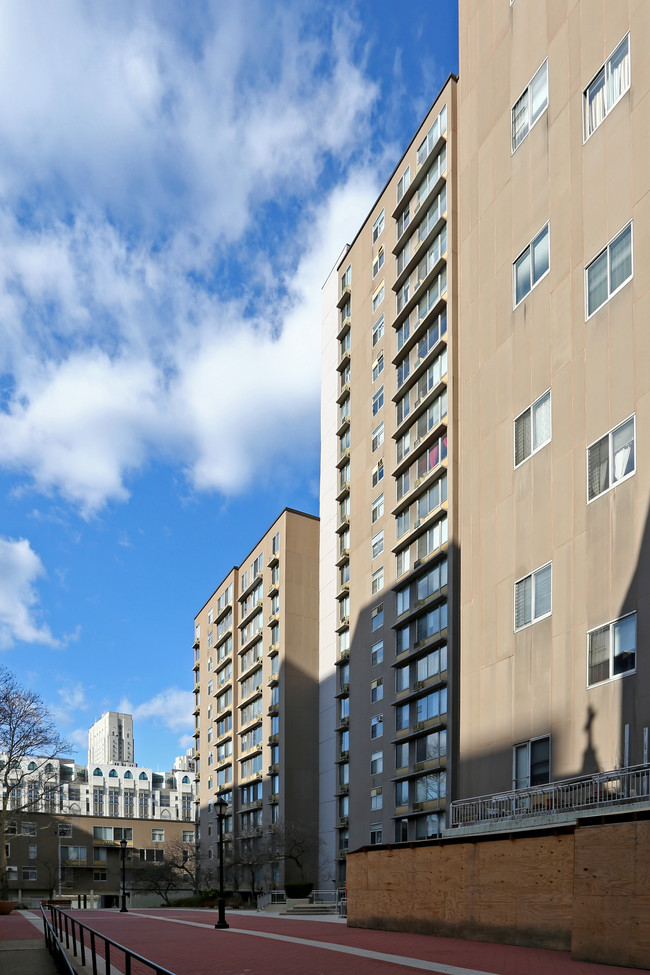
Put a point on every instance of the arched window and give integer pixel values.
(186, 780)
(112, 774)
(97, 771)
(143, 775)
(49, 767)
(32, 767)
(128, 775)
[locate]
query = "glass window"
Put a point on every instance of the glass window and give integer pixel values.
(376, 763)
(611, 459)
(378, 544)
(377, 653)
(531, 265)
(378, 436)
(378, 330)
(377, 509)
(377, 581)
(533, 597)
(609, 271)
(378, 227)
(612, 650)
(532, 763)
(377, 726)
(607, 88)
(533, 428)
(530, 106)
(378, 401)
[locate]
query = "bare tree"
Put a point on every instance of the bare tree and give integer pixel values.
(298, 844)
(179, 868)
(29, 741)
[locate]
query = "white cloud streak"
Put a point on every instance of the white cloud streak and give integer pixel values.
(20, 569)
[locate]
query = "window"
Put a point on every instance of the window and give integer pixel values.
(376, 834)
(377, 473)
(533, 428)
(431, 747)
(377, 581)
(402, 756)
(531, 266)
(377, 330)
(438, 128)
(607, 88)
(378, 367)
(403, 183)
(611, 459)
(30, 873)
(378, 436)
(378, 297)
(402, 562)
(378, 262)
(403, 523)
(377, 690)
(529, 106)
(378, 544)
(401, 717)
(346, 278)
(188, 836)
(376, 798)
(611, 650)
(64, 830)
(403, 221)
(377, 617)
(533, 597)
(33, 851)
(402, 789)
(532, 763)
(378, 227)
(76, 854)
(609, 271)
(377, 653)
(157, 835)
(403, 600)
(377, 726)
(433, 498)
(376, 763)
(401, 678)
(378, 401)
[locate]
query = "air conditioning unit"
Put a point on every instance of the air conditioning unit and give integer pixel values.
(344, 788)
(418, 685)
(418, 766)
(417, 807)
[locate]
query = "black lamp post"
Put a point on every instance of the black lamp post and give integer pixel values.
(220, 806)
(123, 908)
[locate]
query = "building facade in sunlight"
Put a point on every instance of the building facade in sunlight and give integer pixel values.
(388, 566)
(110, 739)
(554, 391)
(256, 708)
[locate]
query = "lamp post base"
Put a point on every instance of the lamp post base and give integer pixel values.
(221, 908)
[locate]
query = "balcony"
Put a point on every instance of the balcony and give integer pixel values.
(346, 292)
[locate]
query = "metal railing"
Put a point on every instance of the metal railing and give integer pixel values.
(63, 926)
(54, 946)
(272, 897)
(585, 792)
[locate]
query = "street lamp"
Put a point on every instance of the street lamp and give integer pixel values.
(123, 908)
(220, 806)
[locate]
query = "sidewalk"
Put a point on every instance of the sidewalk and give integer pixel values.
(186, 942)
(22, 946)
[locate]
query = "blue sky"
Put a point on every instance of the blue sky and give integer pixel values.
(176, 182)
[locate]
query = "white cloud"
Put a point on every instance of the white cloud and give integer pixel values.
(171, 707)
(143, 297)
(20, 568)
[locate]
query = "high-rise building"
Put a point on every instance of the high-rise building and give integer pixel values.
(256, 708)
(388, 631)
(110, 740)
(554, 390)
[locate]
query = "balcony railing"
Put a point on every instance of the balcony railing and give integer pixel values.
(585, 792)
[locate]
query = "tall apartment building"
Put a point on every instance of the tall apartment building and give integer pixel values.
(256, 705)
(110, 740)
(554, 389)
(388, 630)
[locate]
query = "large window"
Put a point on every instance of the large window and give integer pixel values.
(377, 509)
(611, 650)
(378, 401)
(531, 266)
(532, 763)
(607, 88)
(609, 271)
(611, 459)
(378, 226)
(533, 596)
(378, 436)
(377, 330)
(533, 428)
(530, 106)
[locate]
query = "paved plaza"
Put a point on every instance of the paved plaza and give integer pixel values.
(186, 942)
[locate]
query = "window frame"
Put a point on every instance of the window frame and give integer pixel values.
(533, 619)
(606, 250)
(528, 248)
(529, 409)
(527, 91)
(610, 434)
(528, 743)
(625, 673)
(585, 91)
(378, 225)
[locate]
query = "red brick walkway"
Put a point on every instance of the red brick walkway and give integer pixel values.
(185, 942)
(15, 927)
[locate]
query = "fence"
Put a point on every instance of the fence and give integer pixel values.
(585, 792)
(62, 925)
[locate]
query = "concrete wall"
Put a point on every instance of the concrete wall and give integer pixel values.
(586, 890)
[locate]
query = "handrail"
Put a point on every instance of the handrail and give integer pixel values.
(60, 929)
(54, 946)
(584, 792)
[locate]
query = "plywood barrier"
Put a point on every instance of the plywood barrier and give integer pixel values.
(586, 890)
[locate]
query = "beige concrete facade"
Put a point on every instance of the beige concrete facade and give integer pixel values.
(256, 701)
(388, 514)
(554, 349)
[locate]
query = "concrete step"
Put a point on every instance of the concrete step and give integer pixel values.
(311, 909)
